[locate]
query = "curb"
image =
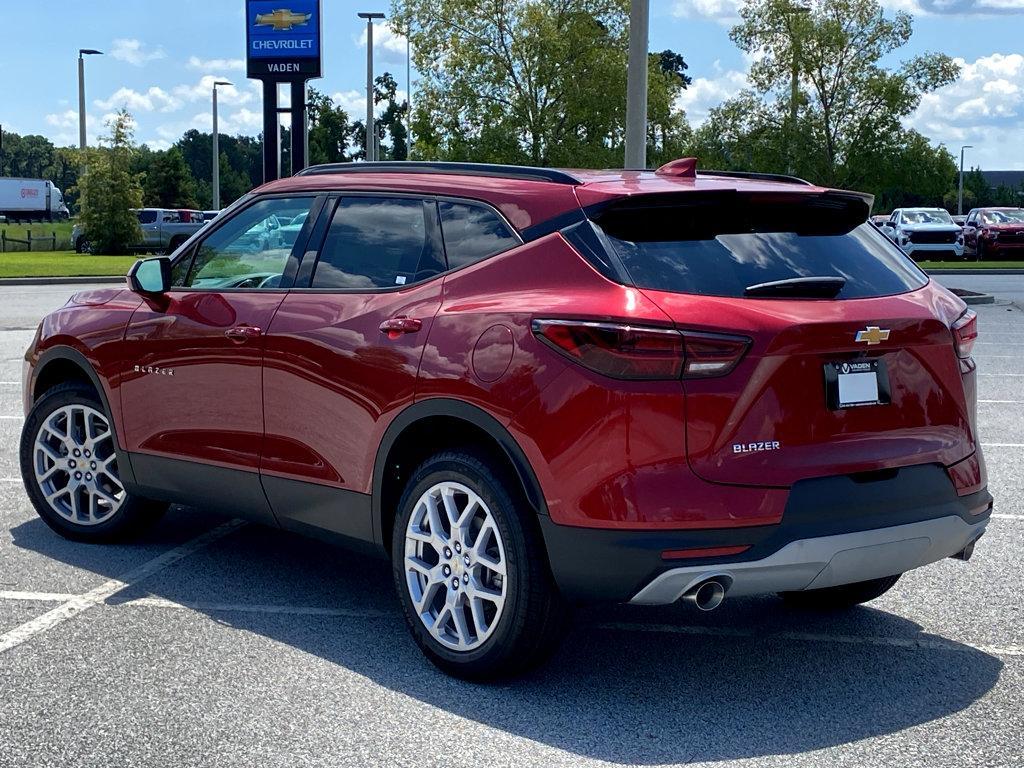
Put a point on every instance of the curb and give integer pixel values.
(999, 271)
(56, 280)
(973, 297)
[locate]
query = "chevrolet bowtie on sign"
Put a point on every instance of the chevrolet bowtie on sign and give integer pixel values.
(283, 39)
(872, 335)
(282, 19)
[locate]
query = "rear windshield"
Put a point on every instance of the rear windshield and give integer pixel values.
(722, 253)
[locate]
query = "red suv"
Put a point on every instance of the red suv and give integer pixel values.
(529, 388)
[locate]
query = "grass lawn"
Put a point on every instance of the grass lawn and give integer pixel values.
(972, 265)
(61, 264)
(39, 229)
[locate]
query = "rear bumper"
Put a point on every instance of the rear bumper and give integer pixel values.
(809, 564)
(837, 528)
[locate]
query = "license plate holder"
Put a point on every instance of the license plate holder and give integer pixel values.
(856, 383)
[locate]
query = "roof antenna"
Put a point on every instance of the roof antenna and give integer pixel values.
(684, 168)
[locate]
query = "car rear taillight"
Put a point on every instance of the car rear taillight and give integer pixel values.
(624, 351)
(965, 333)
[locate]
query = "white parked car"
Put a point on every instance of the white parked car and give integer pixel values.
(926, 233)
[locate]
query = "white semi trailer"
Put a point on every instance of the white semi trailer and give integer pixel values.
(31, 199)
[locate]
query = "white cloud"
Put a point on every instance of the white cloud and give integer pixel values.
(726, 12)
(387, 45)
(704, 93)
(153, 99)
(984, 107)
(353, 102)
(134, 52)
(226, 94)
(194, 62)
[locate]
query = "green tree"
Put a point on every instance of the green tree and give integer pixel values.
(109, 190)
(169, 182)
(849, 103)
(329, 130)
(526, 82)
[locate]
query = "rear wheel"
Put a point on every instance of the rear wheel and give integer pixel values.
(82, 245)
(173, 245)
(69, 466)
(841, 596)
(471, 571)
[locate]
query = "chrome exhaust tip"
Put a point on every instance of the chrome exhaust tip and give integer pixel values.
(707, 595)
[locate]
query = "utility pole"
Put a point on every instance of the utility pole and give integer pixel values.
(960, 187)
(216, 148)
(408, 92)
(82, 53)
(371, 144)
(636, 86)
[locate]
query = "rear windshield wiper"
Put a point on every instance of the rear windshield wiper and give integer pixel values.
(816, 287)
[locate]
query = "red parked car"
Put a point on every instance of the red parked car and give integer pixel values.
(994, 233)
(530, 388)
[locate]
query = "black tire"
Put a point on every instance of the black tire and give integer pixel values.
(534, 615)
(173, 245)
(132, 516)
(841, 596)
(82, 245)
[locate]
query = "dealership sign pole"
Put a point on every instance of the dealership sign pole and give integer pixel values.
(283, 45)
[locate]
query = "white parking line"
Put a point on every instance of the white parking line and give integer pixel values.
(21, 595)
(983, 400)
(1008, 516)
(1010, 375)
(98, 595)
(315, 611)
(1002, 445)
(906, 643)
(19, 418)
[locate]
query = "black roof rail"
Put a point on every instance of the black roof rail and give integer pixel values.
(459, 169)
(762, 177)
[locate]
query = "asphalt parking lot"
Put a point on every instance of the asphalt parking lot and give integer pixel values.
(214, 642)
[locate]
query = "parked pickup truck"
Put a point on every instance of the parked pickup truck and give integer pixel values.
(163, 230)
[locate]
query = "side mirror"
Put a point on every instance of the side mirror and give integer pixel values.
(150, 276)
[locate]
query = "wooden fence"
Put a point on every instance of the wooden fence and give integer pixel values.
(28, 240)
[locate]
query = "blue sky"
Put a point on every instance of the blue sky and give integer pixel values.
(162, 57)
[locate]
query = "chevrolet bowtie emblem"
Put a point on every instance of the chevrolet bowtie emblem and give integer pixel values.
(282, 19)
(872, 335)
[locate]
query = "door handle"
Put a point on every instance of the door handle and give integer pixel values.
(242, 333)
(395, 327)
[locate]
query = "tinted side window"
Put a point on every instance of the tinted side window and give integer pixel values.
(472, 233)
(378, 242)
(250, 250)
(146, 217)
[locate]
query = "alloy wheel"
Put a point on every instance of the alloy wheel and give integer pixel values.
(455, 566)
(75, 465)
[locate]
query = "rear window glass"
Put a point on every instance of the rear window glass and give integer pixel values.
(684, 252)
(472, 233)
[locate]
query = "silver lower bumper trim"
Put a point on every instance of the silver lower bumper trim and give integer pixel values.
(808, 564)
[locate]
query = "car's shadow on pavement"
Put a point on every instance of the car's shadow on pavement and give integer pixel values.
(672, 693)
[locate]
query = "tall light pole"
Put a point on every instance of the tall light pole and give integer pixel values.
(794, 77)
(371, 134)
(636, 85)
(960, 187)
(216, 148)
(82, 53)
(408, 92)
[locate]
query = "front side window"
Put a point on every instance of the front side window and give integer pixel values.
(247, 251)
(378, 242)
(472, 233)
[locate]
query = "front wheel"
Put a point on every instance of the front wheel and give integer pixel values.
(841, 596)
(69, 467)
(471, 571)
